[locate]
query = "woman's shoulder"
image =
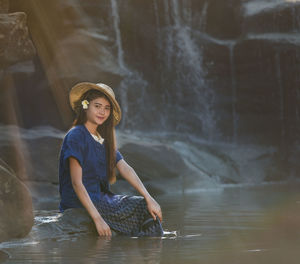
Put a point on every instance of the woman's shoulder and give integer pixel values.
(75, 133)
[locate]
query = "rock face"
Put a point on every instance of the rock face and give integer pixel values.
(156, 164)
(15, 45)
(221, 71)
(15, 206)
(152, 161)
(44, 155)
(40, 149)
(20, 68)
(163, 165)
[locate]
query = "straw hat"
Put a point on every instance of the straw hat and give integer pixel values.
(79, 89)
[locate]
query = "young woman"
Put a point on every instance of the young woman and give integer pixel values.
(87, 164)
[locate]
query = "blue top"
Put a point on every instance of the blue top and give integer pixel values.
(80, 144)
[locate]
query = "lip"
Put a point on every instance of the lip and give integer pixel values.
(100, 117)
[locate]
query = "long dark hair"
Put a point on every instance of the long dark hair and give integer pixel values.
(106, 130)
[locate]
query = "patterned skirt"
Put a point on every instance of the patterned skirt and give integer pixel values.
(128, 215)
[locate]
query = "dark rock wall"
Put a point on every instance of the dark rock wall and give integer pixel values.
(223, 71)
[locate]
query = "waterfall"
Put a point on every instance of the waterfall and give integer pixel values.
(124, 70)
(202, 25)
(296, 19)
(185, 42)
(184, 56)
(131, 79)
(281, 94)
(156, 14)
(234, 93)
(116, 22)
(297, 107)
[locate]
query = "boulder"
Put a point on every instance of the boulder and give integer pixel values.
(153, 161)
(52, 224)
(15, 206)
(157, 165)
(73, 222)
(15, 44)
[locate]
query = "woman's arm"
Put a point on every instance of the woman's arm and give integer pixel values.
(129, 174)
(82, 194)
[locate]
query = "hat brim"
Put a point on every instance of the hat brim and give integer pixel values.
(79, 89)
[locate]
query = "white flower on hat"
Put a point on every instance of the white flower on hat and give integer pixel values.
(85, 104)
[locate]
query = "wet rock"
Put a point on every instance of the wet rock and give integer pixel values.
(29, 76)
(44, 157)
(72, 222)
(39, 148)
(223, 19)
(15, 206)
(156, 165)
(153, 161)
(284, 168)
(263, 67)
(273, 17)
(15, 44)
(55, 225)
(45, 195)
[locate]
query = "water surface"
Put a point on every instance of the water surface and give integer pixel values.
(255, 224)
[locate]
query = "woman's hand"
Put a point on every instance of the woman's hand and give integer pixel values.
(130, 175)
(154, 208)
(102, 227)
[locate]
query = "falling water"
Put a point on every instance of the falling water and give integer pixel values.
(202, 25)
(156, 15)
(281, 93)
(181, 46)
(298, 95)
(234, 92)
(131, 79)
(187, 14)
(296, 19)
(116, 22)
(124, 71)
(188, 47)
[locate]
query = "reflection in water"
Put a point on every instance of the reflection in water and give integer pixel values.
(233, 225)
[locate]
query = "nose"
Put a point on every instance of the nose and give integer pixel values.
(101, 110)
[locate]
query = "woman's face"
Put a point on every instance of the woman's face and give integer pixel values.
(98, 111)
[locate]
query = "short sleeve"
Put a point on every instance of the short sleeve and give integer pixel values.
(74, 147)
(118, 156)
